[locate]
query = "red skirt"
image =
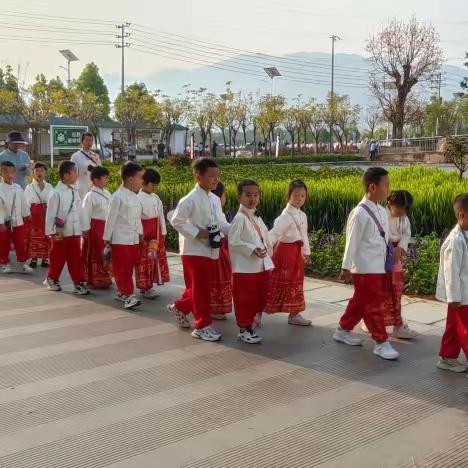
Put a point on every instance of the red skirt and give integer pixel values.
(221, 286)
(96, 273)
(38, 244)
(392, 314)
(286, 291)
(152, 270)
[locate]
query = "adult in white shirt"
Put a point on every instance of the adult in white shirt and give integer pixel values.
(195, 214)
(94, 210)
(452, 288)
(85, 159)
(365, 263)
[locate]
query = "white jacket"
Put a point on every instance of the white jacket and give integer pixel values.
(152, 207)
(452, 281)
(95, 205)
(399, 230)
(366, 250)
(198, 210)
(64, 203)
(123, 223)
(291, 226)
(243, 240)
(13, 204)
(34, 194)
(82, 160)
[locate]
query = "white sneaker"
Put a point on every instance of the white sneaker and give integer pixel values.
(26, 269)
(258, 320)
(120, 297)
(404, 332)
(385, 351)
(453, 365)
(298, 319)
(218, 316)
(6, 269)
(131, 301)
(149, 294)
(80, 289)
(181, 318)
(207, 334)
(249, 336)
(52, 285)
(346, 337)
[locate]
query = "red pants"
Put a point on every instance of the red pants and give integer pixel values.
(67, 250)
(96, 274)
(198, 272)
(456, 333)
(18, 237)
(38, 243)
(124, 260)
(372, 296)
(250, 293)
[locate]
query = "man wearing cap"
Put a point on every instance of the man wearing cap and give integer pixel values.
(18, 157)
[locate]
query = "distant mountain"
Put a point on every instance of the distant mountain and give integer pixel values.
(306, 73)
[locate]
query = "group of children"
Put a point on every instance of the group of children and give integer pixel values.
(241, 263)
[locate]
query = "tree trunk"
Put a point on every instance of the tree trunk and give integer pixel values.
(234, 137)
(299, 141)
(305, 139)
(223, 131)
(254, 140)
(291, 134)
(244, 128)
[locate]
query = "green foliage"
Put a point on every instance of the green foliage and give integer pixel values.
(457, 154)
(90, 81)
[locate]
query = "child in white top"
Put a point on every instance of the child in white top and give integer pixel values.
(152, 267)
(367, 262)
(291, 252)
(94, 210)
(123, 232)
(37, 195)
(14, 212)
(452, 288)
(250, 250)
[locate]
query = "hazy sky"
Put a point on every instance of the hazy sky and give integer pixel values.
(270, 26)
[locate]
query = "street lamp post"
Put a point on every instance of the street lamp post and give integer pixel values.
(70, 57)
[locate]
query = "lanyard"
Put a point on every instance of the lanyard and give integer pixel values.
(70, 207)
(89, 157)
(253, 223)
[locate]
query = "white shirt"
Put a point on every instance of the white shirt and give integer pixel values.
(366, 250)
(95, 205)
(83, 159)
(452, 281)
(291, 226)
(35, 196)
(64, 203)
(123, 223)
(198, 210)
(243, 240)
(399, 230)
(13, 204)
(152, 207)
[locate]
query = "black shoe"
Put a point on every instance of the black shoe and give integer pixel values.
(45, 263)
(33, 263)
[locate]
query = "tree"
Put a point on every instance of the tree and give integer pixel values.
(373, 117)
(90, 81)
(464, 83)
(291, 123)
(441, 116)
(457, 154)
(12, 103)
(220, 117)
(405, 55)
(271, 112)
(134, 107)
(317, 116)
(202, 112)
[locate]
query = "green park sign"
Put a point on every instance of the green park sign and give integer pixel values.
(65, 137)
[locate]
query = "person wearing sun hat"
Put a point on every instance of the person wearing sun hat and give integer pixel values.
(18, 157)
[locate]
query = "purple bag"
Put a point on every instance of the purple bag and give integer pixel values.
(389, 257)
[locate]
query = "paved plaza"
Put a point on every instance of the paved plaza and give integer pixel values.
(85, 384)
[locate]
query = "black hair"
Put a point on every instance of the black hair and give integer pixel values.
(129, 169)
(245, 183)
(219, 190)
(7, 164)
(201, 165)
(98, 172)
(65, 168)
(40, 165)
(86, 134)
(151, 176)
(401, 198)
(295, 184)
(461, 203)
(373, 175)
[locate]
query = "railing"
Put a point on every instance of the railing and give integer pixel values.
(415, 145)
